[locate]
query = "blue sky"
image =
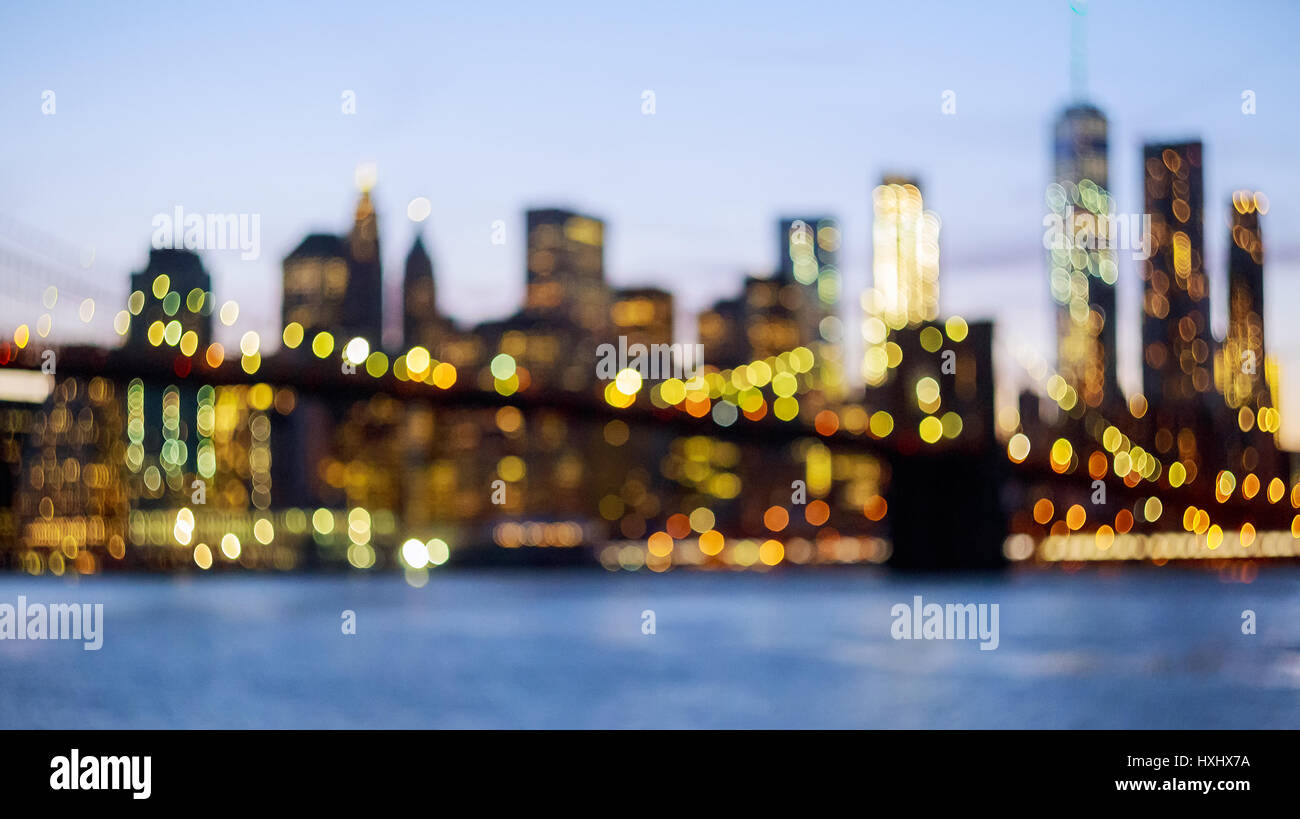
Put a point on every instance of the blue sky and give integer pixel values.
(762, 110)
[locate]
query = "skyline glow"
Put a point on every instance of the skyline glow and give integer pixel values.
(487, 111)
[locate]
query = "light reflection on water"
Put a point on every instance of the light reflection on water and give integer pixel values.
(1145, 648)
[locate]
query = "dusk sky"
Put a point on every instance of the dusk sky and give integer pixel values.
(763, 110)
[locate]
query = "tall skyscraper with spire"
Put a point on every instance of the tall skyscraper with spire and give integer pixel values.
(335, 284)
(1081, 266)
(364, 305)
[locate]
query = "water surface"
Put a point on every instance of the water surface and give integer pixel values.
(1144, 648)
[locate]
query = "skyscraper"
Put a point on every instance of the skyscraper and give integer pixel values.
(566, 269)
(809, 280)
(316, 284)
(905, 269)
(1242, 379)
(643, 314)
(335, 284)
(770, 323)
(421, 323)
(808, 251)
(172, 302)
(1081, 264)
(363, 308)
(1244, 373)
(721, 331)
(1176, 338)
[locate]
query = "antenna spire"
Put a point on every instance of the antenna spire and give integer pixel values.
(1078, 50)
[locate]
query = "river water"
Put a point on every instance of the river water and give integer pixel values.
(1139, 648)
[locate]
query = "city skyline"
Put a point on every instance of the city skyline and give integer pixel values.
(474, 173)
(588, 365)
(397, 312)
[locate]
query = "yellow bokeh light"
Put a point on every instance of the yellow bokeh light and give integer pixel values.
(771, 552)
(1075, 517)
(1018, 447)
(511, 468)
(1152, 509)
(323, 344)
(702, 519)
(931, 429)
(957, 328)
(229, 313)
(628, 381)
(417, 361)
(444, 375)
(356, 351)
(881, 424)
(1062, 453)
(293, 335)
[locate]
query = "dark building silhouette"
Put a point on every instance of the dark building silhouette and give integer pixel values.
(566, 305)
(552, 352)
(566, 268)
(1083, 283)
(363, 313)
(316, 284)
(643, 314)
(795, 306)
(721, 330)
(762, 322)
(771, 327)
(808, 272)
(1177, 347)
(940, 402)
(1245, 375)
(171, 301)
(1242, 373)
(1176, 338)
(335, 284)
(945, 374)
(806, 262)
(422, 325)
